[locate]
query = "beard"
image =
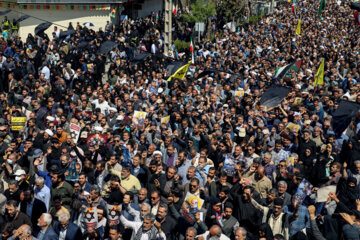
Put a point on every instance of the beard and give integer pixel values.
(159, 218)
(9, 217)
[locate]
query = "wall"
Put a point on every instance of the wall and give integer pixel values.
(61, 17)
(150, 6)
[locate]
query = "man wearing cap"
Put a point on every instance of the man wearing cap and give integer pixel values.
(112, 117)
(20, 176)
(277, 220)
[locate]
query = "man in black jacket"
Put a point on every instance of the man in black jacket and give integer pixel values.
(32, 207)
(168, 223)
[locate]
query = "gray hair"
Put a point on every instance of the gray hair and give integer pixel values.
(47, 218)
(267, 154)
(27, 229)
(357, 162)
(243, 230)
(192, 229)
(40, 180)
(13, 182)
(294, 155)
(149, 216)
(273, 191)
(282, 183)
(146, 205)
(64, 216)
(163, 205)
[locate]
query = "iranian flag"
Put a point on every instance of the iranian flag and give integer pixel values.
(174, 9)
(357, 17)
(192, 51)
(281, 72)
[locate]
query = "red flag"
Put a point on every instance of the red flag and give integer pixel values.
(174, 9)
(293, 9)
(357, 17)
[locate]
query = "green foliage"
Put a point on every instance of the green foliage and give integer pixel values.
(179, 45)
(232, 10)
(200, 11)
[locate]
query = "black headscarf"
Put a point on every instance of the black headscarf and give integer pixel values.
(347, 194)
(265, 228)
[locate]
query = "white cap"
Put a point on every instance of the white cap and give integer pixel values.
(48, 131)
(20, 172)
(113, 109)
(225, 105)
(50, 118)
(160, 90)
(98, 128)
(120, 118)
(266, 131)
(297, 114)
(157, 153)
(307, 122)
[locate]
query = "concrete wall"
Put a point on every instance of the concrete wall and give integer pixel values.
(61, 17)
(150, 6)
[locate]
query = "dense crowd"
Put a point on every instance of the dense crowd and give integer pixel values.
(112, 150)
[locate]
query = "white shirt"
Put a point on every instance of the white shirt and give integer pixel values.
(46, 71)
(206, 234)
(104, 106)
(62, 234)
(135, 226)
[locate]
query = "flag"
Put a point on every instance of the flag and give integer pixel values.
(319, 77)
(293, 10)
(157, 15)
(357, 17)
(180, 73)
(174, 9)
(281, 72)
(322, 6)
(192, 51)
(298, 28)
(274, 95)
(343, 116)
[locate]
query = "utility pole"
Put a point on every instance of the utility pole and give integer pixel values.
(168, 26)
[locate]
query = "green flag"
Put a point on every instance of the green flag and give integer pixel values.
(322, 6)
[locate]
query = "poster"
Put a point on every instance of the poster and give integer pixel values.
(97, 139)
(139, 118)
(75, 132)
(322, 194)
(229, 165)
(239, 93)
(90, 217)
(192, 202)
(17, 123)
(165, 120)
(303, 190)
(293, 127)
(82, 114)
(114, 217)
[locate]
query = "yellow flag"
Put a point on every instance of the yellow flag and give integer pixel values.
(298, 28)
(180, 73)
(319, 77)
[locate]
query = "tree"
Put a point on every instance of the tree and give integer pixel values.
(231, 10)
(200, 11)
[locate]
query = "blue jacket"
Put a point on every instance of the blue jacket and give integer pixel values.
(49, 234)
(73, 232)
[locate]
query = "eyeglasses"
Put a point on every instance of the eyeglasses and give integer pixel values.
(153, 198)
(194, 186)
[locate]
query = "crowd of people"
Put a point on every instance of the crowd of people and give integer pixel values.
(110, 149)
